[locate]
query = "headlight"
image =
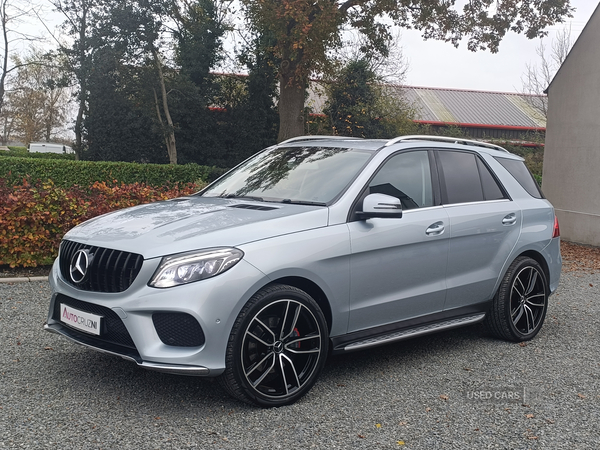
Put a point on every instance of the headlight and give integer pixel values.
(188, 267)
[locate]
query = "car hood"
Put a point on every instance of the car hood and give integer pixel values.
(190, 223)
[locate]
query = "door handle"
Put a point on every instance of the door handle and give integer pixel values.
(509, 219)
(435, 229)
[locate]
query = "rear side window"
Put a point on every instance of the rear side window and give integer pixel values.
(491, 190)
(519, 171)
(465, 178)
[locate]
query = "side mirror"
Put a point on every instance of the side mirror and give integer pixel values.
(380, 205)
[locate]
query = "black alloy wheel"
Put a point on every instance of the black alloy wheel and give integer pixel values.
(277, 347)
(519, 307)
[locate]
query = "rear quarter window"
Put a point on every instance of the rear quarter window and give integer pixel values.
(519, 171)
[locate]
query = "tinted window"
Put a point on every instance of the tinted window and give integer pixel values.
(460, 178)
(406, 176)
(520, 172)
(491, 189)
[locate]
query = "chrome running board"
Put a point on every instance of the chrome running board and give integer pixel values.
(414, 332)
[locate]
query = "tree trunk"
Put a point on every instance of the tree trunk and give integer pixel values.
(83, 77)
(4, 20)
(291, 103)
(169, 130)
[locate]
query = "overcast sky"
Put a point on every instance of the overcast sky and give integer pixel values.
(439, 64)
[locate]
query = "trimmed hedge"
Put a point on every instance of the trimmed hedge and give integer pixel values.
(34, 217)
(25, 154)
(85, 173)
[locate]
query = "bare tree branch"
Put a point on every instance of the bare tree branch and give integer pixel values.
(537, 77)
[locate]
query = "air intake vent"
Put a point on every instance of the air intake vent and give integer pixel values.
(256, 207)
(178, 329)
(107, 270)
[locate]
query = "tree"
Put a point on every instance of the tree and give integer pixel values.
(145, 32)
(13, 15)
(37, 104)
(360, 105)
(134, 29)
(78, 16)
(537, 77)
(119, 125)
(306, 30)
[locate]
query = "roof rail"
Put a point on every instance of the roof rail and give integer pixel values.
(454, 140)
(316, 138)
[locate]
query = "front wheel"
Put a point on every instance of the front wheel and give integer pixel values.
(277, 347)
(519, 307)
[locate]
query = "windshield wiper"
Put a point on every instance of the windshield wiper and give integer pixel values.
(302, 202)
(258, 199)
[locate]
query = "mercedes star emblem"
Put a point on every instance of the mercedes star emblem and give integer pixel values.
(80, 264)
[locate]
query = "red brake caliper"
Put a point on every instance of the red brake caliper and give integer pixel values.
(296, 334)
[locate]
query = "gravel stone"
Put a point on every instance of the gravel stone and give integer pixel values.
(426, 393)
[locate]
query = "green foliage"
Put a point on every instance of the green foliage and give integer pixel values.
(34, 217)
(25, 154)
(18, 149)
(358, 106)
(120, 122)
(86, 173)
(534, 158)
(198, 42)
(245, 120)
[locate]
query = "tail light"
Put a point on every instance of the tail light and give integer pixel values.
(556, 232)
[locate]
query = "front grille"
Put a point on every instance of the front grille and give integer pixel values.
(178, 329)
(113, 331)
(109, 270)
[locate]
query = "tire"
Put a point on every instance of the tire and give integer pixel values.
(519, 307)
(277, 347)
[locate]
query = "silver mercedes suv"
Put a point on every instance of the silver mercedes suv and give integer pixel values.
(314, 246)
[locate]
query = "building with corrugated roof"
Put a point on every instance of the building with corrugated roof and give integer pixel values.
(479, 114)
(482, 114)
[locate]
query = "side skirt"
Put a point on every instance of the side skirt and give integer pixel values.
(410, 328)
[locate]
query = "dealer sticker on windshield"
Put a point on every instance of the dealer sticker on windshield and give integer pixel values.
(90, 323)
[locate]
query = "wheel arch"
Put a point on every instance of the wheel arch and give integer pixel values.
(530, 253)
(539, 258)
(312, 289)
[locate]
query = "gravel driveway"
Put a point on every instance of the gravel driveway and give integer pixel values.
(459, 389)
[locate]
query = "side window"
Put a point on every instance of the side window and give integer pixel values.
(491, 189)
(461, 178)
(519, 171)
(406, 176)
(467, 179)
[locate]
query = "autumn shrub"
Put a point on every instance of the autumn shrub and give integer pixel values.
(35, 216)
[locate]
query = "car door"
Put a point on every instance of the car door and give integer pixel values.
(398, 265)
(484, 227)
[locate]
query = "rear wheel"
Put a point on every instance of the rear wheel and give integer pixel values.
(519, 307)
(277, 347)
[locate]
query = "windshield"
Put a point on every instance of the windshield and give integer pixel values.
(312, 175)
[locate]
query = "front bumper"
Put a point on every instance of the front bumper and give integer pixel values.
(214, 303)
(177, 369)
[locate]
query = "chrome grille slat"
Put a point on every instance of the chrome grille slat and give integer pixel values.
(110, 270)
